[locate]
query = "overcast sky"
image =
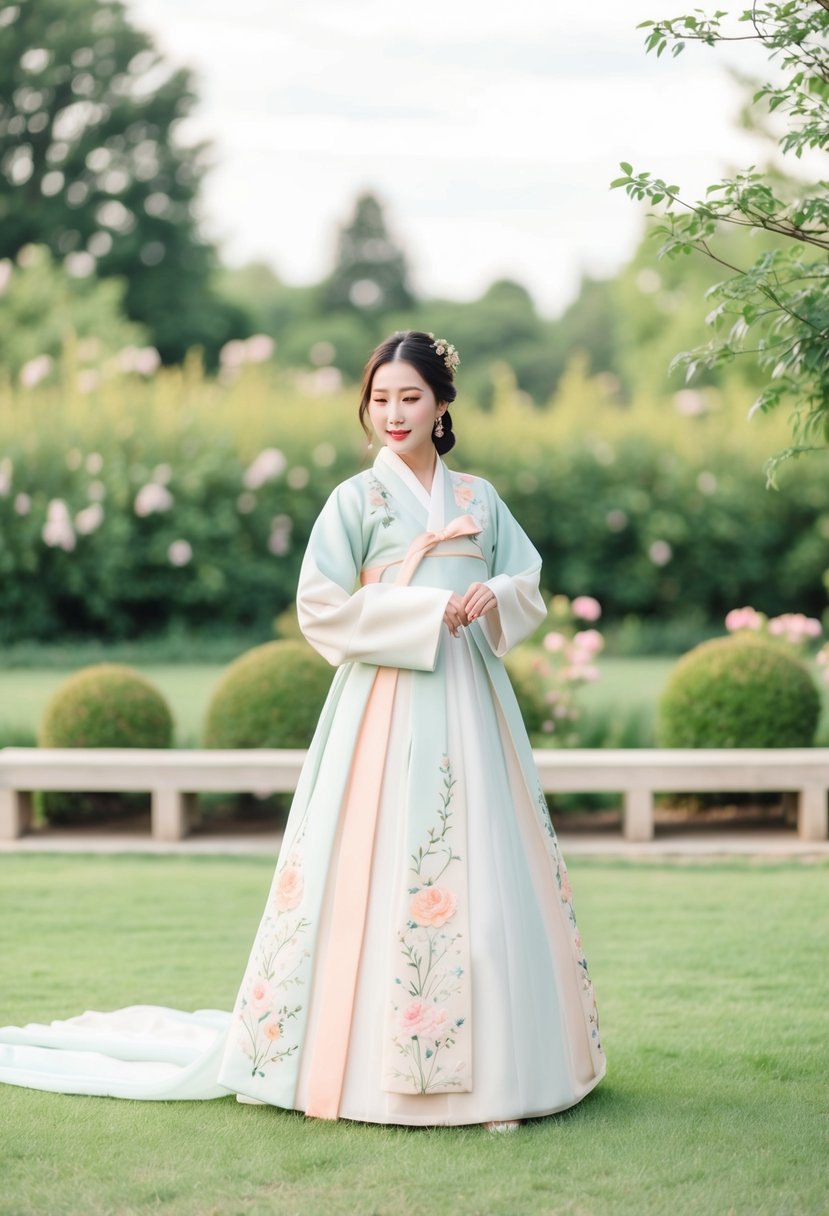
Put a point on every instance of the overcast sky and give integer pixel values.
(491, 136)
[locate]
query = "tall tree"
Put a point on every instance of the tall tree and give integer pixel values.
(776, 309)
(90, 164)
(371, 274)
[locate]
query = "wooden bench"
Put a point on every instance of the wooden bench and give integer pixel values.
(175, 777)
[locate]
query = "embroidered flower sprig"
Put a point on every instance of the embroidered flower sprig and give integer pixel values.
(451, 358)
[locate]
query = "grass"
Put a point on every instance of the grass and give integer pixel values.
(712, 996)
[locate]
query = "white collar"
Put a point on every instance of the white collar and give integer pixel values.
(433, 502)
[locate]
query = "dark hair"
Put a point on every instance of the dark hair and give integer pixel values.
(416, 348)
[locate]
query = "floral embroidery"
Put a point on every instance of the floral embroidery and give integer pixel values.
(565, 892)
(426, 1025)
(464, 491)
(379, 499)
(265, 1006)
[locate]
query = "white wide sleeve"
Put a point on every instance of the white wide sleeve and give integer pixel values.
(515, 583)
(380, 623)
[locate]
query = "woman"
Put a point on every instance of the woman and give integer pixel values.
(418, 960)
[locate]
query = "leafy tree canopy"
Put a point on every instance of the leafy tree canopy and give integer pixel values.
(91, 164)
(776, 308)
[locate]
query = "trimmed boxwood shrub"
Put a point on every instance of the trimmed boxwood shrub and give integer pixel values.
(271, 696)
(738, 691)
(103, 705)
(106, 705)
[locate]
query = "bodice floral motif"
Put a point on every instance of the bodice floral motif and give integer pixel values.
(379, 499)
(466, 496)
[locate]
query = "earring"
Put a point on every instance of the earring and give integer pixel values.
(439, 426)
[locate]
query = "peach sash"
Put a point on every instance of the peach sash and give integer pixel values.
(338, 982)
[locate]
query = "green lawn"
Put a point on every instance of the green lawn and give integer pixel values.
(712, 992)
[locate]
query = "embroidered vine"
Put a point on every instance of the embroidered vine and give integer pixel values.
(266, 1003)
(425, 1009)
(437, 840)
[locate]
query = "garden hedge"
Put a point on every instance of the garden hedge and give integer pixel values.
(271, 696)
(738, 691)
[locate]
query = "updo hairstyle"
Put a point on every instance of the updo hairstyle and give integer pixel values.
(413, 346)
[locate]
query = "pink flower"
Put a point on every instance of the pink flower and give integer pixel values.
(259, 348)
(463, 494)
(272, 1031)
(440, 1024)
(566, 889)
(35, 370)
(89, 519)
(289, 888)
(433, 906)
(260, 996)
(586, 608)
(590, 641)
(795, 627)
(179, 553)
(58, 532)
(554, 641)
(743, 618)
(269, 464)
(423, 1019)
(151, 498)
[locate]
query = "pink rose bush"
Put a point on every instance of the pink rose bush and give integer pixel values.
(569, 661)
(792, 628)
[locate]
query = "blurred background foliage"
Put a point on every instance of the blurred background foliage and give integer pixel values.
(169, 425)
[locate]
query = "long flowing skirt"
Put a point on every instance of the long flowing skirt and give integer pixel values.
(532, 1044)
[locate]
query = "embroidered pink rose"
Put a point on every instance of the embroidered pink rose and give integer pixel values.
(260, 996)
(289, 888)
(566, 889)
(433, 906)
(418, 1018)
(375, 498)
(440, 1024)
(272, 1031)
(464, 493)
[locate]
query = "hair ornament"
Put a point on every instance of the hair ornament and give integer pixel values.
(451, 358)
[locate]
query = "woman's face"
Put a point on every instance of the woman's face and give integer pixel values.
(403, 409)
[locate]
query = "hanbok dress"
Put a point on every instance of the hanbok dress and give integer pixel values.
(418, 959)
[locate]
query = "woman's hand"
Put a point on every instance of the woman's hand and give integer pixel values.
(478, 600)
(454, 614)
